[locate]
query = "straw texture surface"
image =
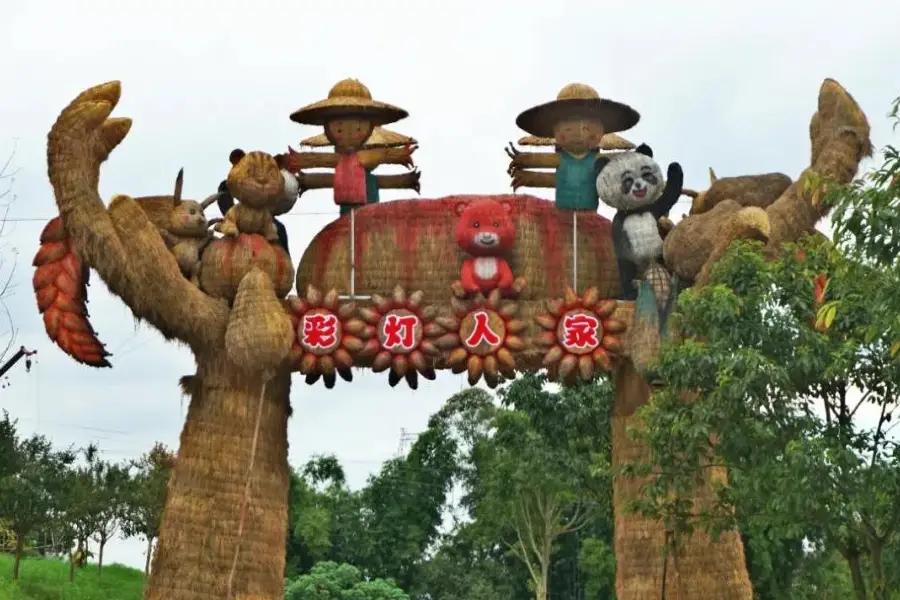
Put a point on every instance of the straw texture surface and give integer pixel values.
(748, 190)
(380, 138)
(411, 243)
(577, 100)
(610, 141)
(701, 569)
(348, 98)
(198, 533)
(839, 135)
(227, 260)
(200, 522)
(259, 334)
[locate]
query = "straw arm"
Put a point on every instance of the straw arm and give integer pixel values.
(533, 160)
(155, 279)
(402, 181)
(295, 161)
(840, 139)
(839, 133)
(372, 157)
(533, 179)
(80, 140)
(315, 181)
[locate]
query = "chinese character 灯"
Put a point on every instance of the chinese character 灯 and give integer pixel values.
(399, 332)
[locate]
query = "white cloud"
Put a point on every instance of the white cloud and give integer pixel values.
(718, 84)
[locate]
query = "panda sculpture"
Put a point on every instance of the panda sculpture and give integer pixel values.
(633, 184)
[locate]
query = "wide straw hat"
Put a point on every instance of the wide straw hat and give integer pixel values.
(380, 138)
(574, 101)
(348, 98)
(610, 141)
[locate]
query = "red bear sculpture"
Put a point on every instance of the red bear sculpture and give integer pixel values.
(486, 231)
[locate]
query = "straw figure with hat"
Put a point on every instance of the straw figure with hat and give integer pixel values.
(380, 138)
(578, 120)
(349, 116)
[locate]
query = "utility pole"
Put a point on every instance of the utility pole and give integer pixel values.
(406, 438)
(19, 355)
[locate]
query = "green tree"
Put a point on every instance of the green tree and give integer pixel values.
(111, 484)
(324, 521)
(468, 567)
(403, 506)
(783, 395)
(30, 489)
(332, 581)
(144, 496)
(534, 478)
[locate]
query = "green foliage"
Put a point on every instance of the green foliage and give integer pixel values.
(385, 528)
(145, 495)
(866, 221)
(784, 403)
(48, 579)
(332, 581)
(31, 489)
(529, 477)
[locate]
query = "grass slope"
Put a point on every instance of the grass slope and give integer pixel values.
(41, 579)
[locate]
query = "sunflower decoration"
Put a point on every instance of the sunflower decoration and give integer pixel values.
(328, 336)
(580, 336)
(401, 336)
(486, 337)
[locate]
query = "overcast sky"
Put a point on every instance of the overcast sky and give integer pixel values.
(732, 88)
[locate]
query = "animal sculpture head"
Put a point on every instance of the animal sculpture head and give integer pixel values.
(485, 227)
(187, 218)
(631, 180)
(256, 180)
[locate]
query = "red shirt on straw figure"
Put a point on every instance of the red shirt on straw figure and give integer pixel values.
(349, 115)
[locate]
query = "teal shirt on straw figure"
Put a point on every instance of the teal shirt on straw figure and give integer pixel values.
(576, 181)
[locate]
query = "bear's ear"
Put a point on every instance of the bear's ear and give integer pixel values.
(235, 157)
(645, 150)
(460, 207)
(600, 163)
(507, 206)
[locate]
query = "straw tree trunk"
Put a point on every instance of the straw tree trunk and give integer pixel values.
(200, 531)
(700, 567)
(207, 492)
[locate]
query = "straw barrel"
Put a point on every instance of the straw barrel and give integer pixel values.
(226, 260)
(411, 243)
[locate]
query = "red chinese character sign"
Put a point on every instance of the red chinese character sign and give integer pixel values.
(328, 336)
(403, 337)
(580, 336)
(487, 337)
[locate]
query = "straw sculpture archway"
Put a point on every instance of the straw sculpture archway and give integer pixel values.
(223, 528)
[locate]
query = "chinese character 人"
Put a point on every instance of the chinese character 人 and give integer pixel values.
(482, 331)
